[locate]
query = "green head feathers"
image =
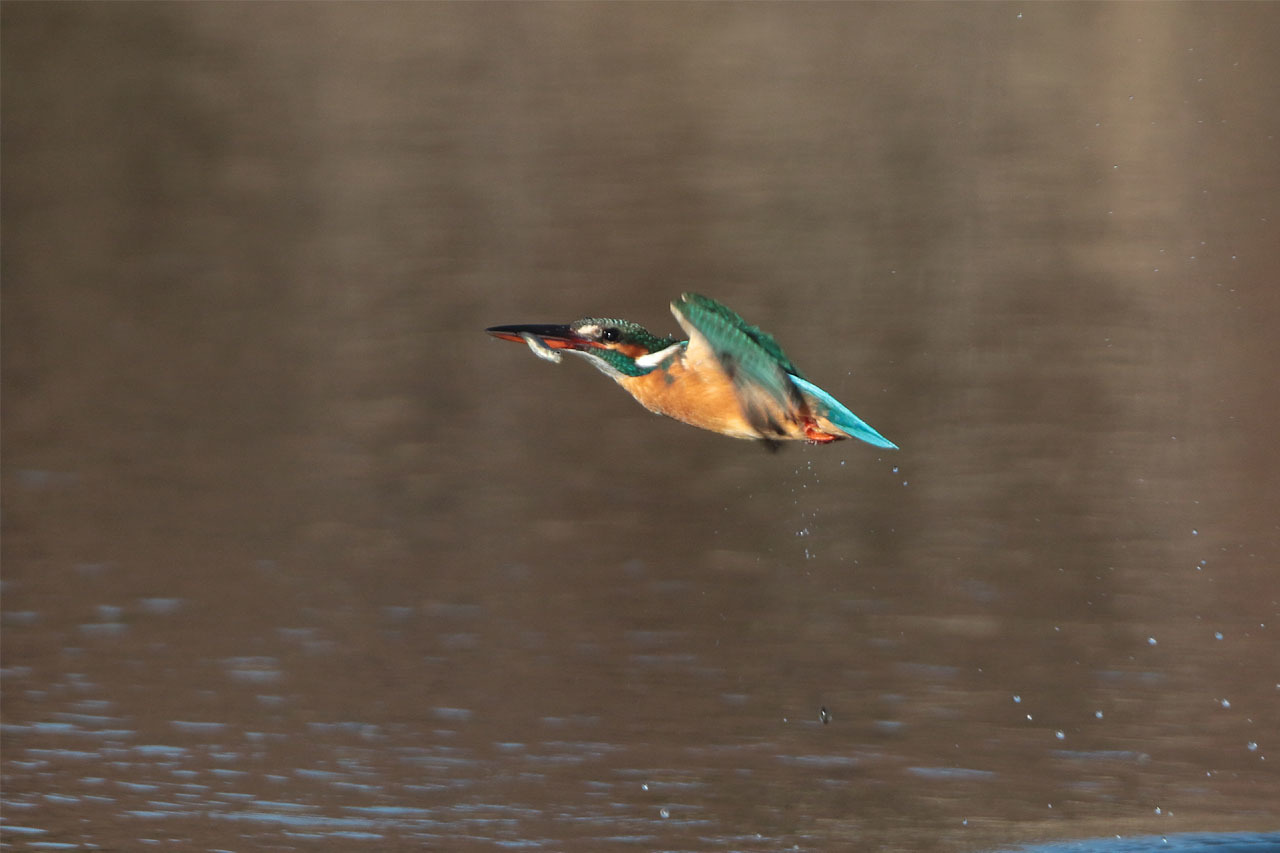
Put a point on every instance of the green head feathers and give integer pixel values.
(622, 342)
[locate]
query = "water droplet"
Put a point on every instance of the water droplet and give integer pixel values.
(1151, 641)
(1060, 734)
(664, 813)
(1252, 746)
(1226, 703)
(1098, 714)
(1016, 699)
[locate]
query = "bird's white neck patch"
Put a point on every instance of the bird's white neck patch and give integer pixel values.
(654, 359)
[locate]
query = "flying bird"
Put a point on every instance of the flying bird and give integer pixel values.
(728, 377)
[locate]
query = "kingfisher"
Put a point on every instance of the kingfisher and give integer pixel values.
(727, 376)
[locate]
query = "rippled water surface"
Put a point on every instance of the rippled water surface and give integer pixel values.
(295, 557)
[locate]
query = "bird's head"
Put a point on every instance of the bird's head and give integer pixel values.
(617, 347)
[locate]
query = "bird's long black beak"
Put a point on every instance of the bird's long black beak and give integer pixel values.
(553, 336)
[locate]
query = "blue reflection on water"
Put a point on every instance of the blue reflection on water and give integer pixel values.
(1199, 842)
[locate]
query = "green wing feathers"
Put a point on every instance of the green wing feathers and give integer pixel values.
(752, 358)
(725, 330)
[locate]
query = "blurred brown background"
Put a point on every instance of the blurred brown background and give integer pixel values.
(294, 556)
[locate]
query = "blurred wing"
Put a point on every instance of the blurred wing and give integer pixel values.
(823, 404)
(761, 373)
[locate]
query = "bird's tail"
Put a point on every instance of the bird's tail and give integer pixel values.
(838, 414)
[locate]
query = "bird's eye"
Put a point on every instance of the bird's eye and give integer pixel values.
(610, 334)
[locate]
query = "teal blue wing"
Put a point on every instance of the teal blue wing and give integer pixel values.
(824, 404)
(723, 325)
(760, 371)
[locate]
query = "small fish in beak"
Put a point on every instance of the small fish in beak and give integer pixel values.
(540, 349)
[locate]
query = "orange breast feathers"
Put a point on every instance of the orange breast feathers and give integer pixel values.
(700, 394)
